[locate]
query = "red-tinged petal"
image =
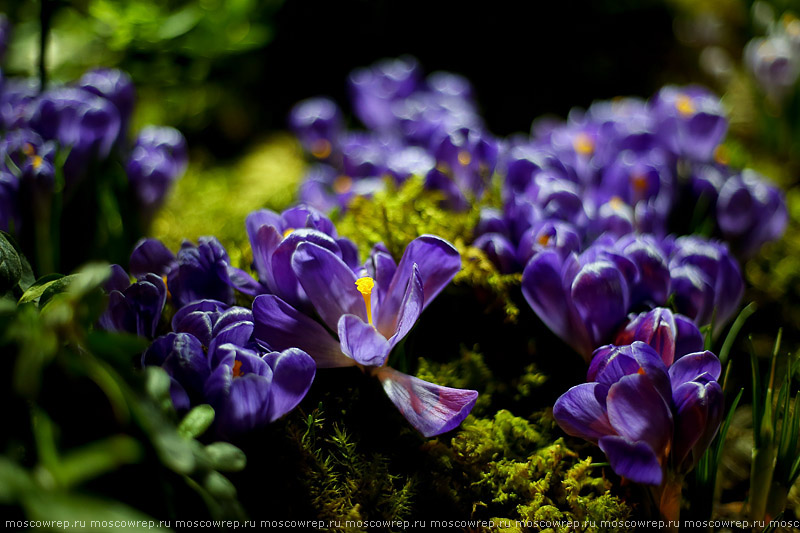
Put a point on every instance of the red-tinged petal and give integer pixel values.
(431, 409)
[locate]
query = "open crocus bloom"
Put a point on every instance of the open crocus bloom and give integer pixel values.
(644, 416)
(371, 315)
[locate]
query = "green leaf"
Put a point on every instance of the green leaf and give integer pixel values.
(27, 278)
(10, 265)
(226, 457)
(196, 421)
(14, 481)
(219, 486)
(174, 451)
(34, 292)
(97, 458)
(744, 314)
(157, 383)
(58, 286)
(115, 347)
(71, 508)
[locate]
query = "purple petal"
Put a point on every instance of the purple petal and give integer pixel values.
(264, 240)
(362, 342)
(151, 256)
(287, 286)
(293, 372)
(689, 338)
(328, 282)
(431, 409)
(633, 460)
(438, 262)
(544, 291)
(693, 366)
(241, 403)
(118, 280)
(638, 412)
(693, 404)
(281, 327)
(242, 281)
(410, 308)
(600, 293)
(580, 414)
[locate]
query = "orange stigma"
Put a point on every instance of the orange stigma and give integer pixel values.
(237, 369)
(544, 239)
(639, 182)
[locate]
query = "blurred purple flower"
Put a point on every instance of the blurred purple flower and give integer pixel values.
(751, 212)
(134, 307)
(115, 86)
(156, 161)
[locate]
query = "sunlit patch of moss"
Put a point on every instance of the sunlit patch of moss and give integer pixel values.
(342, 481)
(527, 383)
(398, 215)
(515, 470)
(216, 200)
(467, 372)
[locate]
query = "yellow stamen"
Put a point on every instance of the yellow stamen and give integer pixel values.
(342, 184)
(28, 149)
(583, 144)
(237, 369)
(616, 203)
(36, 161)
(684, 105)
(544, 239)
(464, 158)
(287, 232)
(365, 286)
(321, 149)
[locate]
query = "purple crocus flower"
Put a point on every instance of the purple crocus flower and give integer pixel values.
(134, 307)
(150, 256)
(690, 121)
(670, 334)
(775, 64)
(371, 315)
(156, 161)
(201, 272)
(705, 280)
(247, 387)
(645, 416)
(16, 102)
(581, 298)
(499, 251)
(561, 237)
(274, 238)
(318, 125)
(468, 157)
(86, 123)
(374, 90)
(750, 212)
(115, 86)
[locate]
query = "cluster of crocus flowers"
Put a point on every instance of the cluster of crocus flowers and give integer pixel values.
(651, 402)
(417, 126)
(315, 307)
(774, 60)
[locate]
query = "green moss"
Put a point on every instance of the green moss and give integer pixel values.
(467, 372)
(214, 200)
(515, 470)
(396, 216)
(342, 481)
